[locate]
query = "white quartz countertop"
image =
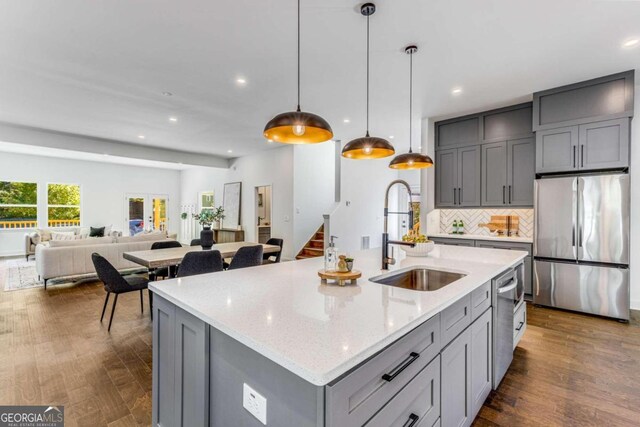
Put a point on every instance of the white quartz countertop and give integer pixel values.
(319, 332)
(516, 239)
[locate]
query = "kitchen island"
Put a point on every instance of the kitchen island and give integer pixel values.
(323, 355)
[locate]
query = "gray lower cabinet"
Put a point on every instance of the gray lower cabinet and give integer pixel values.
(457, 177)
(481, 359)
(452, 242)
(455, 402)
(180, 367)
(592, 146)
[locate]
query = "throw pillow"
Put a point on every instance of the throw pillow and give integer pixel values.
(45, 235)
(96, 232)
(107, 229)
(63, 235)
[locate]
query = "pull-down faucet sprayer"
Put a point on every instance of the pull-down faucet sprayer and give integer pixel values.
(386, 259)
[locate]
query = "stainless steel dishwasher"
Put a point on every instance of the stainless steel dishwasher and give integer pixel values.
(504, 296)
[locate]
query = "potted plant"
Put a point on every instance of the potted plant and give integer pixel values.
(206, 217)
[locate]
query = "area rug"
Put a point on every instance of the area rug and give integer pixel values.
(21, 274)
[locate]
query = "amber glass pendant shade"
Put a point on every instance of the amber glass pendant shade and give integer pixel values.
(298, 127)
(408, 161)
(368, 147)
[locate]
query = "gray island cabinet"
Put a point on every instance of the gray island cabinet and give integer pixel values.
(439, 372)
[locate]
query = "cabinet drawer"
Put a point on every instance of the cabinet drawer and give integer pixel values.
(514, 246)
(519, 323)
(454, 319)
(480, 300)
(417, 405)
(452, 242)
(355, 398)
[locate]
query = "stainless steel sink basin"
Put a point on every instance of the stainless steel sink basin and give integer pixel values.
(419, 279)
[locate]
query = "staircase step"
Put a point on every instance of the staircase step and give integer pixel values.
(312, 252)
(315, 244)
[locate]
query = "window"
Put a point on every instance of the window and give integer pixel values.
(63, 205)
(18, 204)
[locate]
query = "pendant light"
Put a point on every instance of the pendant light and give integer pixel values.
(411, 160)
(368, 147)
(298, 127)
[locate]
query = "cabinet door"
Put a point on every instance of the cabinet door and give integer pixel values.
(556, 150)
(494, 174)
(469, 176)
(520, 171)
(604, 145)
(455, 399)
(163, 349)
(481, 349)
(446, 178)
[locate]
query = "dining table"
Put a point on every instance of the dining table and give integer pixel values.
(173, 256)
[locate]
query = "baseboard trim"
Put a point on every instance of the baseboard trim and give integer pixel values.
(12, 254)
(635, 304)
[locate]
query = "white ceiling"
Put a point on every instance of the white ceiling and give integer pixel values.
(99, 67)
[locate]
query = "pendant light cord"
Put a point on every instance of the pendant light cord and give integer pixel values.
(410, 97)
(298, 55)
(368, 75)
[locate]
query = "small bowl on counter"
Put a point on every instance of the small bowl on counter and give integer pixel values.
(420, 249)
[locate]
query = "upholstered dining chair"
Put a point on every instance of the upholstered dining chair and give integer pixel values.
(115, 283)
(247, 256)
(196, 242)
(266, 258)
(200, 263)
(163, 272)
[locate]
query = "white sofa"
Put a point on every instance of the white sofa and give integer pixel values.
(34, 238)
(74, 260)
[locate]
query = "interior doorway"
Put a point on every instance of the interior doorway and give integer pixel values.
(263, 213)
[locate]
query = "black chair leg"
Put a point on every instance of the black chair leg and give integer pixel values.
(141, 305)
(150, 302)
(104, 307)
(113, 310)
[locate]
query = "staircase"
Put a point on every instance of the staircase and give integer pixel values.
(314, 247)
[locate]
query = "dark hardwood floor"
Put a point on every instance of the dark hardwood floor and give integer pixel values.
(569, 370)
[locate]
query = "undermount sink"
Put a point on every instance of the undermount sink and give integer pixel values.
(419, 279)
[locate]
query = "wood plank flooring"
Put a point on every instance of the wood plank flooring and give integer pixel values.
(569, 370)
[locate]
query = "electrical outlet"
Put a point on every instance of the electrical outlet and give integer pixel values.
(255, 403)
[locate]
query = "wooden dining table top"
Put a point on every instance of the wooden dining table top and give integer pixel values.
(173, 256)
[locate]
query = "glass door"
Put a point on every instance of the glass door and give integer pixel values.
(146, 212)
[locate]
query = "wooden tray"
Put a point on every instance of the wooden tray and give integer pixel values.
(340, 278)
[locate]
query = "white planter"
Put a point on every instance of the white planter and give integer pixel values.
(420, 249)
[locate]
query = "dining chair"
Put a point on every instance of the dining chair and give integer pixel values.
(247, 256)
(163, 272)
(195, 242)
(200, 263)
(115, 283)
(266, 258)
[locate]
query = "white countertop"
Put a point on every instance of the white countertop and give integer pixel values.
(321, 331)
(516, 239)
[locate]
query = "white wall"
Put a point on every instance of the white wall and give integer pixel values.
(313, 188)
(103, 189)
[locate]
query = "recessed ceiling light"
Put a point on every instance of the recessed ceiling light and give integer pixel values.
(229, 151)
(347, 121)
(241, 81)
(167, 94)
(631, 43)
(141, 136)
(391, 136)
(173, 119)
(456, 90)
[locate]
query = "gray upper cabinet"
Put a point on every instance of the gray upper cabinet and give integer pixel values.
(604, 98)
(593, 146)
(604, 145)
(468, 172)
(457, 132)
(556, 150)
(446, 178)
(507, 123)
(520, 171)
(508, 172)
(494, 174)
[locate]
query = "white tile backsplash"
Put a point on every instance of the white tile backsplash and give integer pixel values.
(473, 217)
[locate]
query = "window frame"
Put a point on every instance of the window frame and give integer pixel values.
(63, 206)
(13, 205)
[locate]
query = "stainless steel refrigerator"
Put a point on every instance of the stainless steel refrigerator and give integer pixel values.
(581, 245)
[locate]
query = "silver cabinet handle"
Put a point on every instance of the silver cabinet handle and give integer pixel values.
(508, 288)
